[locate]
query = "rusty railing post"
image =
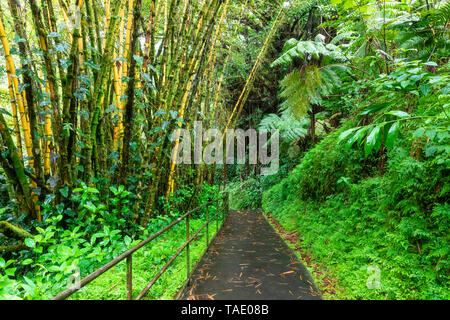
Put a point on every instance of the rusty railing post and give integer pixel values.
(188, 266)
(207, 226)
(130, 277)
(217, 217)
(225, 207)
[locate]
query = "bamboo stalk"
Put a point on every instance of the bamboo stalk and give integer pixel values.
(15, 118)
(15, 170)
(18, 98)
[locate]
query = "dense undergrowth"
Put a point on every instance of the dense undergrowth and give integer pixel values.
(351, 216)
(364, 154)
(61, 254)
(146, 264)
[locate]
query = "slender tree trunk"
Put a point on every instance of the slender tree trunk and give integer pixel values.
(129, 112)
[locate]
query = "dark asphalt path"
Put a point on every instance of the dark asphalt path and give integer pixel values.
(249, 261)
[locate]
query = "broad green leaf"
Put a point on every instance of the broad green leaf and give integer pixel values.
(64, 192)
(29, 242)
(374, 108)
(119, 59)
(371, 140)
(90, 206)
(10, 271)
(419, 132)
(153, 69)
(392, 135)
(92, 65)
(173, 114)
(425, 89)
(398, 113)
(139, 60)
(356, 137)
(160, 112)
(346, 134)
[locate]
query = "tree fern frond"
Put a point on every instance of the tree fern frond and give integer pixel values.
(301, 88)
(440, 16)
(404, 36)
(361, 52)
(288, 45)
(304, 49)
(413, 42)
(343, 36)
(290, 128)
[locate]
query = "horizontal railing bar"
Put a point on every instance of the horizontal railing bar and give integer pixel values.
(155, 278)
(77, 286)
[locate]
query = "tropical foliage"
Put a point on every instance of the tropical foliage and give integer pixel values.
(91, 92)
(374, 192)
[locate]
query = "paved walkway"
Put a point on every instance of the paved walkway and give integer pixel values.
(249, 261)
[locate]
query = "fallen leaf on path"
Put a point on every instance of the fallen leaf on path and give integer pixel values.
(113, 286)
(285, 273)
(211, 297)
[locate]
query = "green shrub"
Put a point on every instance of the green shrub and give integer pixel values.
(350, 217)
(245, 195)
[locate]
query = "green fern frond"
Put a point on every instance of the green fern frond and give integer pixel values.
(404, 36)
(295, 49)
(423, 32)
(343, 36)
(289, 127)
(301, 88)
(442, 15)
(413, 42)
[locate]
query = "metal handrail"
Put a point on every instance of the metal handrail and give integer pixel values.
(128, 254)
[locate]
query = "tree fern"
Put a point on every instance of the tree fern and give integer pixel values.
(442, 15)
(307, 86)
(294, 49)
(425, 33)
(290, 128)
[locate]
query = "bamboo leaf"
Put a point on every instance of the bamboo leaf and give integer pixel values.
(92, 65)
(139, 60)
(4, 111)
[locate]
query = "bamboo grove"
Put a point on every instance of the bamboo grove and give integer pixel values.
(96, 88)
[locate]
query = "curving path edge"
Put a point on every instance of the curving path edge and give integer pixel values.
(249, 261)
